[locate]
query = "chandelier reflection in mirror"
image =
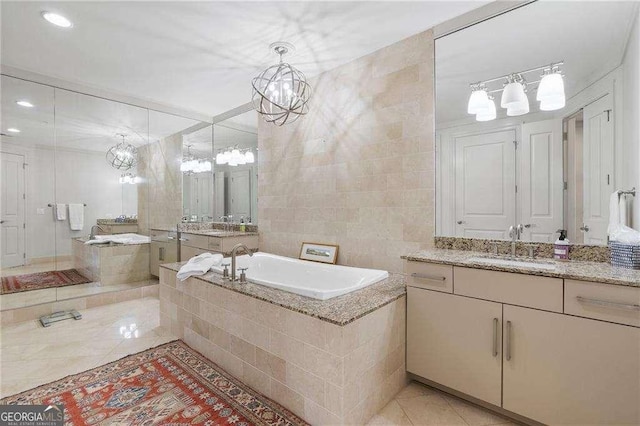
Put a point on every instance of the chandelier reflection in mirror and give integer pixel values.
(281, 92)
(550, 93)
(233, 156)
(122, 156)
(191, 164)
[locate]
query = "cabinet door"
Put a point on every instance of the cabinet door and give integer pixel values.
(187, 252)
(154, 259)
(568, 370)
(455, 341)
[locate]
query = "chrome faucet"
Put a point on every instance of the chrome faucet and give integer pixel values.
(514, 233)
(92, 235)
(234, 251)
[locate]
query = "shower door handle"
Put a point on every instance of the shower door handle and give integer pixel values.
(1, 221)
(161, 254)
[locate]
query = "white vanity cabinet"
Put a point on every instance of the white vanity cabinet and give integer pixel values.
(567, 353)
(455, 341)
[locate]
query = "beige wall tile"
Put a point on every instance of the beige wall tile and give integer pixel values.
(270, 364)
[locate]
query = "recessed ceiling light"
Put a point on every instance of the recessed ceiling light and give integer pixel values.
(25, 104)
(13, 130)
(56, 19)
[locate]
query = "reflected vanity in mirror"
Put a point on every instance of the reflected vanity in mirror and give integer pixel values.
(235, 145)
(534, 129)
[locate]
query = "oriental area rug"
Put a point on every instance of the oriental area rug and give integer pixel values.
(40, 280)
(168, 385)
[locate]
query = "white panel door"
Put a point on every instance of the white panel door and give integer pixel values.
(540, 188)
(240, 193)
(12, 215)
(598, 169)
(218, 183)
(485, 161)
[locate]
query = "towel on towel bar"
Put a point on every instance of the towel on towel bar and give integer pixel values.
(61, 211)
(199, 265)
(76, 217)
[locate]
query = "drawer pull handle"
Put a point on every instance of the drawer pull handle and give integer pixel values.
(495, 337)
(428, 277)
(608, 303)
(508, 349)
(171, 238)
(183, 239)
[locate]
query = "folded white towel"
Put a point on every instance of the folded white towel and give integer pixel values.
(76, 217)
(61, 211)
(199, 265)
(623, 210)
(614, 213)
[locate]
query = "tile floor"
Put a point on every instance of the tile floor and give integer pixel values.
(60, 265)
(31, 355)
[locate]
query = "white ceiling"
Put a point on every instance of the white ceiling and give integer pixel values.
(589, 36)
(201, 56)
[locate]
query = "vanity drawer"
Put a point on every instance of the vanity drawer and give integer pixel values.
(430, 276)
(602, 301)
(193, 240)
(506, 287)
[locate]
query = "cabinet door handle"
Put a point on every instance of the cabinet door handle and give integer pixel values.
(495, 337)
(508, 349)
(608, 303)
(161, 254)
(428, 277)
(183, 239)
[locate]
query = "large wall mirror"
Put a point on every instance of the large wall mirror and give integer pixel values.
(235, 144)
(562, 138)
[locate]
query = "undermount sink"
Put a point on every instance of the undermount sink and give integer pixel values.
(514, 262)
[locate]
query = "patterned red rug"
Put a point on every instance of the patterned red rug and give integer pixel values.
(169, 384)
(40, 280)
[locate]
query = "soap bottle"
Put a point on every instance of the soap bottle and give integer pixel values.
(242, 225)
(561, 246)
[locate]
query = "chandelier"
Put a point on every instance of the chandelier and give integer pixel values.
(122, 156)
(281, 92)
(190, 164)
(233, 156)
(550, 93)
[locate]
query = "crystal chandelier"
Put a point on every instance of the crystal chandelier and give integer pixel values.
(235, 157)
(281, 92)
(190, 164)
(122, 156)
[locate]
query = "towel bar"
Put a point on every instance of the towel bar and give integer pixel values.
(51, 205)
(631, 192)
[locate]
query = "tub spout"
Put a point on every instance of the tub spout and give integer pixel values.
(234, 252)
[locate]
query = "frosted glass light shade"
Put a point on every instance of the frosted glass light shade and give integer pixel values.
(488, 114)
(478, 101)
(518, 109)
(220, 159)
(551, 87)
(512, 94)
(250, 158)
(552, 104)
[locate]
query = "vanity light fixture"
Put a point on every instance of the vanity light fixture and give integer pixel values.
(57, 19)
(190, 164)
(550, 93)
(281, 92)
(123, 155)
(13, 130)
(128, 178)
(233, 156)
(25, 103)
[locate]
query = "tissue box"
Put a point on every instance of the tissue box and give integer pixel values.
(625, 255)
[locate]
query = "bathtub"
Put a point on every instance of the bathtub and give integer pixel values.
(120, 239)
(311, 279)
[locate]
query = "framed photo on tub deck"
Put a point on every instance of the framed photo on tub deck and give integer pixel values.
(325, 253)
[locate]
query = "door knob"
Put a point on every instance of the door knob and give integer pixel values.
(584, 228)
(1, 221)
(460, 222)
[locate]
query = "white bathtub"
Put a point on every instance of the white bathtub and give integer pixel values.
(120, 239)
(311, 279)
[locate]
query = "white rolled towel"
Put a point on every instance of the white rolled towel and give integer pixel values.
(61, 211)
(199, 265)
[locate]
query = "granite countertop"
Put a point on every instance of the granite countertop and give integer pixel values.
(585, 271)
(220, 234)
(112, 222)
(339, 310)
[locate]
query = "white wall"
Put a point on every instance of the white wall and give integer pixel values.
(631, 119)
(68, 176)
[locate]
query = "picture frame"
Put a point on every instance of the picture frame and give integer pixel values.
(316, 252)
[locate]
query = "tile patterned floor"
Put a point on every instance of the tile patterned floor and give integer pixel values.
(31, 355)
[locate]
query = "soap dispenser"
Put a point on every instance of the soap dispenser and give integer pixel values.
(561, 246)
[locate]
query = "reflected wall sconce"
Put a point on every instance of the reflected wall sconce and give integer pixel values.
(281, 92)
(128, 178)
(550, 93)
(233, 156)
(190, 164)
